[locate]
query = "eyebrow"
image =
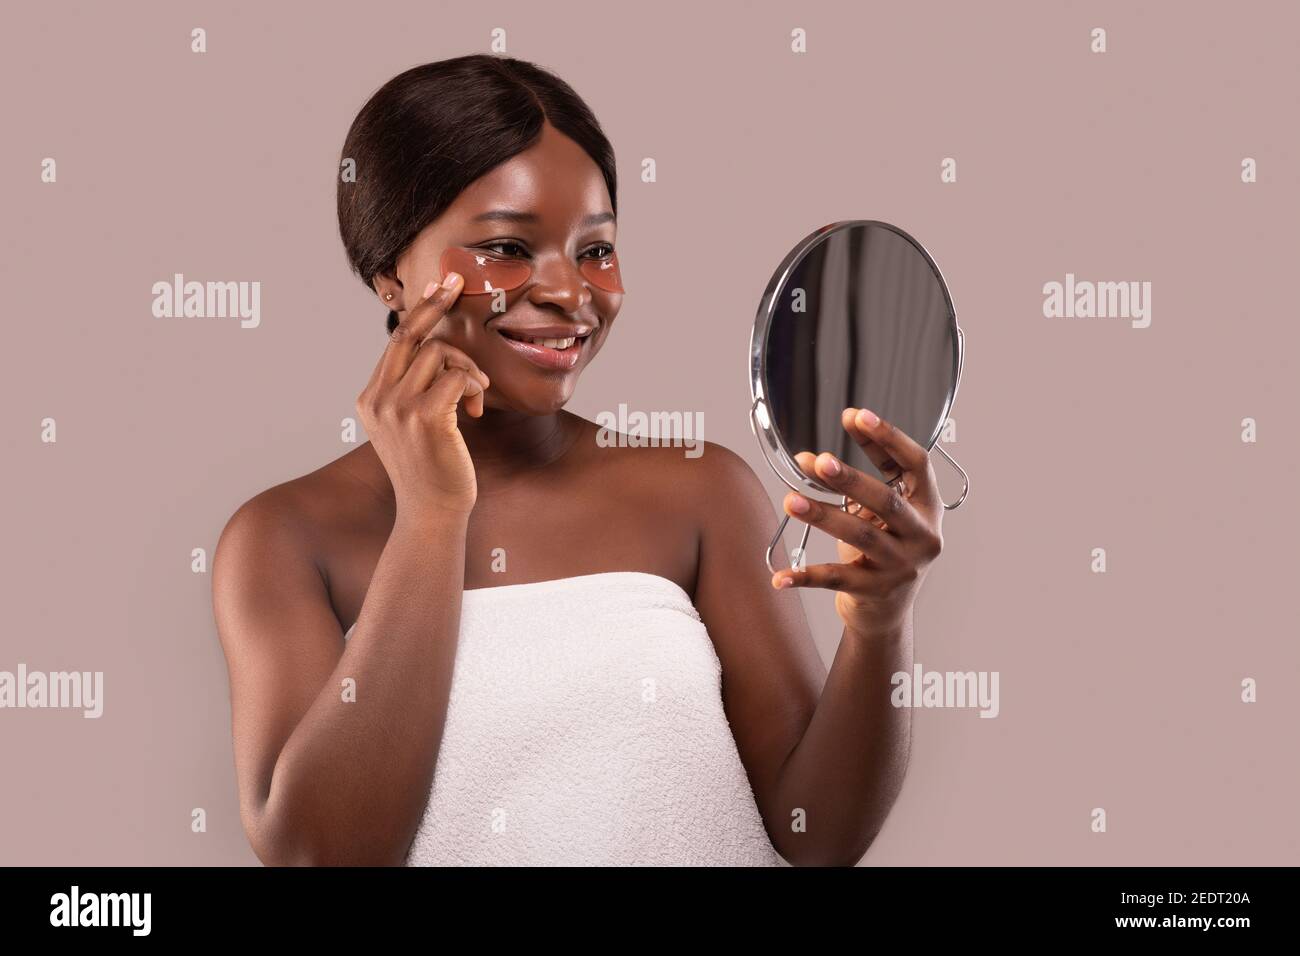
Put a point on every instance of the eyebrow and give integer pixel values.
(515, 215)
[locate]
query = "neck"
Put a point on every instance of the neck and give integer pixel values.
(502, 444)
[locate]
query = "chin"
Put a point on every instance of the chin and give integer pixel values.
(533, 403)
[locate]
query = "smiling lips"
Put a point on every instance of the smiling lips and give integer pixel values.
(552, 347)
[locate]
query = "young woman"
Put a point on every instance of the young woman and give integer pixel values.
(487, 637)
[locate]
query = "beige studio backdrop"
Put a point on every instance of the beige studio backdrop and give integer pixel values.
(1166, 443)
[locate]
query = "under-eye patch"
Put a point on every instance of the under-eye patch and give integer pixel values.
(485, 273)
(603, 273)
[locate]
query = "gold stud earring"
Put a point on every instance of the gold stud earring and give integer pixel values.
(388, 297)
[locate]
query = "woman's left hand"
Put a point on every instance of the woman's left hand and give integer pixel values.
(888, 537)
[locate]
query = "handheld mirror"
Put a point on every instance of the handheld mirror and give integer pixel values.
(857, 315)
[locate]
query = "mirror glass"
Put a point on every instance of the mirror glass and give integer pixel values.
(858, 315)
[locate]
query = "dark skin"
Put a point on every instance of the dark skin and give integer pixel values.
(471, 451)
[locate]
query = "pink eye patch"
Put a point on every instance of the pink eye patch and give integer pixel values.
(485, 273)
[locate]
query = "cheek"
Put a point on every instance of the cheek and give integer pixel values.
(417, 268)
(467, 322)
(593, 349)
(607, 305)
(464, 332)
(478, 310)
(464, 326)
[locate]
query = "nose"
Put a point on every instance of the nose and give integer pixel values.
(559, 283)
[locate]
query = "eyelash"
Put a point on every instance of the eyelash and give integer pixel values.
(508, 242)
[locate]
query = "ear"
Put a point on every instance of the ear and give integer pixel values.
(389, 289)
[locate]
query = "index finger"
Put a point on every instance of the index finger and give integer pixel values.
(878, 454)
(904, 452)
(411, 331)
(880, 500)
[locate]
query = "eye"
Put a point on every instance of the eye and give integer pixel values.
(603, 250)
(506, 244)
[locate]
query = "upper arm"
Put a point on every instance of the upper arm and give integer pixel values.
(772, 673)
(279, 633)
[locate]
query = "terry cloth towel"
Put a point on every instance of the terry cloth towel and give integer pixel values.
(585, 727)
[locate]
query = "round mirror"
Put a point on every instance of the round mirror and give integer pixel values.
(857, 315)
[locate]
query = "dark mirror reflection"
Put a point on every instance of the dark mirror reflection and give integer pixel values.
(862, 321)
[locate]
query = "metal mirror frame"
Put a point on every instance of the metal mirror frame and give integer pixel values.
(760, 421)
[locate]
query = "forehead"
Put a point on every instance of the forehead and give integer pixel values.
(554, 178)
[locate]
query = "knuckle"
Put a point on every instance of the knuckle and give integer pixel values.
(434, 306)
(401, 332)
(895, 502)
(863, 536)
(461, 358)
(447, 381)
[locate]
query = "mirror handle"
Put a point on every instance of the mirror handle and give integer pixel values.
(965, 480)
(776, 539)
(803, 540)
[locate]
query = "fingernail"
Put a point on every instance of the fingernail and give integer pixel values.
(450, 280)
(868, 418)
(798, 504)
(429, 290)
(830, 464)
(784, 582)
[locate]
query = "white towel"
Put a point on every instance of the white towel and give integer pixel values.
(585, 727)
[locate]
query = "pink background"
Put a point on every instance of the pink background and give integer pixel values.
(1118, 690)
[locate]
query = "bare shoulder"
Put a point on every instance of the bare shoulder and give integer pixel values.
(720, 463)
(672, 460)
(715, 492)
(277, 516)
(708, 477)
(283, 531)
(725, 484)
(735, 517)
(665, 470)
(271, 520)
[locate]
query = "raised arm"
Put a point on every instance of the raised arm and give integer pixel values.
(336, 742)
(826, 754)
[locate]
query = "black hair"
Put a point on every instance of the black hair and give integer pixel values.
(430, 131)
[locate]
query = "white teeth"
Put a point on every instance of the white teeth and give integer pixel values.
(550, 343)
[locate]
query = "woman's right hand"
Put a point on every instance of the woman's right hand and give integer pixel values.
(409, 409)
